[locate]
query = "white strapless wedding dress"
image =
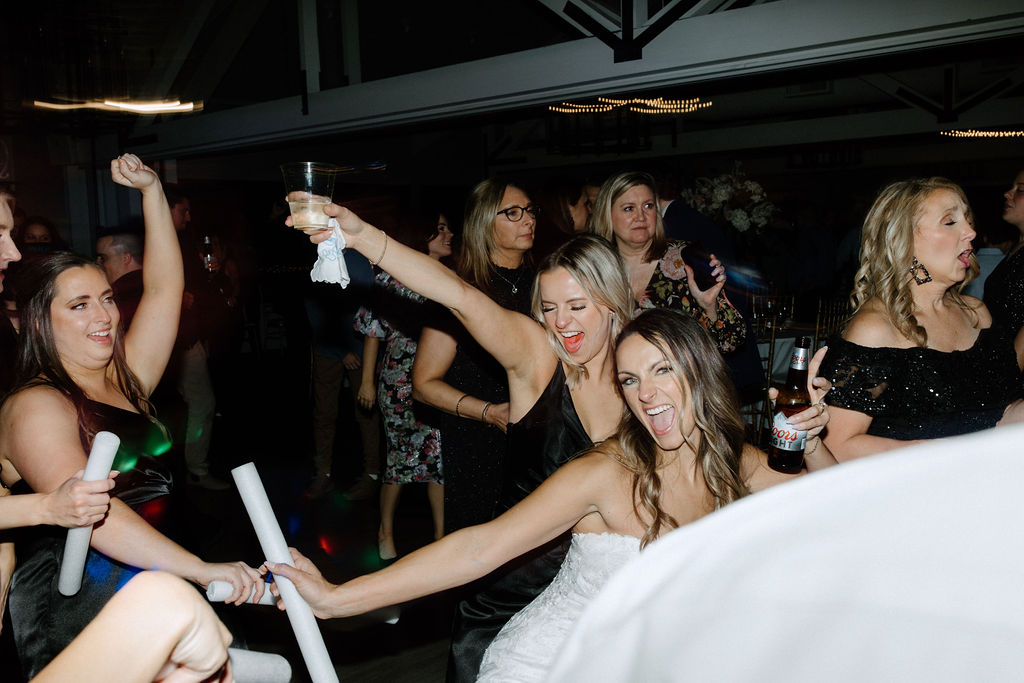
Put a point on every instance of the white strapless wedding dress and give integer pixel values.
(525, 648)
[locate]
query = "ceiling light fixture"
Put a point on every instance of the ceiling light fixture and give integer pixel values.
(971, 133)
(658, 105)
(164, 107)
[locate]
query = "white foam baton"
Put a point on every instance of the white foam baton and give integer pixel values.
(248, 666)
(307, 633)
(76, 547)
(219, 591)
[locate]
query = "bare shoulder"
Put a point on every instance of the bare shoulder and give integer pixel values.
(602, 460)
(39, 400)
(751, 460)
(871, 327)
(978, 307)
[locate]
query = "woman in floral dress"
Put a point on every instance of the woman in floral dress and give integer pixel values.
(626, 213)
(413, 444)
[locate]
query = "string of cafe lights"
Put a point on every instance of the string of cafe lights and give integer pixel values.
(658, 105)
(971, 133)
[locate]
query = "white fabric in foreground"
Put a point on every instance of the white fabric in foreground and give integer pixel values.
(330, 258)
(899, 567)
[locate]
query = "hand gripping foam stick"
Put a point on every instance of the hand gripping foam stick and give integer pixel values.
(76, 547)
(219, 591)
(311, 642)
(248, 666)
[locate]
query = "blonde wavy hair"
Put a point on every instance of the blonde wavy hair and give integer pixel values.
(599, 270)
(695, 359)
(611, 190)
(887, 254)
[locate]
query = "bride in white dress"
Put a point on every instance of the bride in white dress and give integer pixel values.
(677, 456)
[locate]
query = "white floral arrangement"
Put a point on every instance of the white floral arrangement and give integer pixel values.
(731, 199)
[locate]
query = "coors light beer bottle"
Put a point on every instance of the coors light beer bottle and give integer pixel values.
(786, 448)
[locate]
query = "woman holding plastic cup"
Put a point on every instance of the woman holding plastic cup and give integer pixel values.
(80, 373)
(561, 375)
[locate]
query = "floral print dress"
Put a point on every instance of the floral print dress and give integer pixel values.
(669, 288)
(413, 446)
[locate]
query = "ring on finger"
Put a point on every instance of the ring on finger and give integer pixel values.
(821, 407)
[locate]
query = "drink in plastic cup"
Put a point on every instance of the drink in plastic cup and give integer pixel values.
(309, 186)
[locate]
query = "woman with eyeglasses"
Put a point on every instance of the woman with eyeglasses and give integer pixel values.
(562, 393)
(455, 375)
(626, 213)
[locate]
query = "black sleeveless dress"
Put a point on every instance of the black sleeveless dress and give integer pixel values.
(546, 438)
(921, 393)
(44, 620)
(474, 451)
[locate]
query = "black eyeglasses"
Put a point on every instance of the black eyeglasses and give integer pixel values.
(515, 213)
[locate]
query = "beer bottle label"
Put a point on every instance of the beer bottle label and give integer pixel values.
(784, 437)
(800, 360)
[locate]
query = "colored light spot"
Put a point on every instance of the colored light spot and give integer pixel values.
(369, 559)
(154, 511)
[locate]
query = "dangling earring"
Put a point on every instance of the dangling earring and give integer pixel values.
(919, 279)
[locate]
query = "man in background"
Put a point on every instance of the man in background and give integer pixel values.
(120, 256)
(190, 357)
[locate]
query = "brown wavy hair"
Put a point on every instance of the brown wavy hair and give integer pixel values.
(887, 253)
(695, 359)
(39, 362)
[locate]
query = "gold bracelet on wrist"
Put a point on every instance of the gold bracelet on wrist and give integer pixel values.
(459, 403)
(810, 452)
(382, 251)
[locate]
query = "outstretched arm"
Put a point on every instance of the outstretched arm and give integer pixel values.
(41, 420)
(568, 495)
(149, 341)
(520, 339)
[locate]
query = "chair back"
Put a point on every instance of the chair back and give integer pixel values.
(833, 313)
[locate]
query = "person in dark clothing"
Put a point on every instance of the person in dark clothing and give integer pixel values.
(120, 256)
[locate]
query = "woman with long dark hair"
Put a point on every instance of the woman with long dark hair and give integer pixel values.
(80, 372)
(394, 320)
(678, 454)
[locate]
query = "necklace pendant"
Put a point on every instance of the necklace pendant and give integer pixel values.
(515, 290)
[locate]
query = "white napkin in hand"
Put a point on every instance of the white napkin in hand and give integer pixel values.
(330, 260)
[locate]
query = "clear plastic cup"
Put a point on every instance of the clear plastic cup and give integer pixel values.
(309, 187)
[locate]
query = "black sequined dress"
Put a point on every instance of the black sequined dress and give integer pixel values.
(44, 620)
(921, 393)
(546, 438)
(474, 451)
(1004, 291)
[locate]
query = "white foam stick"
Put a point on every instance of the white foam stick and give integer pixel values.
(76, 547)
(258, 667)
(307, 633)
(219, 591)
